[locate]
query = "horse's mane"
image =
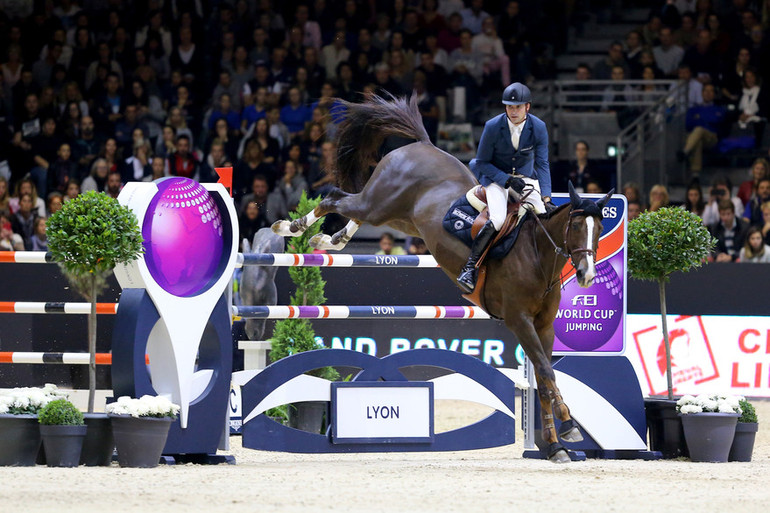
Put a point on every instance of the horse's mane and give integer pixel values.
(363, 130)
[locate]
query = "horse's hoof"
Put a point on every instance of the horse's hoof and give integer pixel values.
(560, 456)
(323, 241)
(283, 228)
(557, 453)
(569, 432)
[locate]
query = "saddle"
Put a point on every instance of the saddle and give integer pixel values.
(465, 219)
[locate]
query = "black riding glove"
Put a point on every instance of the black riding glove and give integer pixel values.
(515, 183)
(549, 207)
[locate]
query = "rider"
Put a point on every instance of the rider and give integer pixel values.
(512, 154)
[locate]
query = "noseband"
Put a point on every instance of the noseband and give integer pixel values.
(571, 254)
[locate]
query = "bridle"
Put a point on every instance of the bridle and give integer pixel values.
(561, 251)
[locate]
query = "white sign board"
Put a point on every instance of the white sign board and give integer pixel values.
(381, 411)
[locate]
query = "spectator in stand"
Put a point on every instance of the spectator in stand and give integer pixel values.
(62, 170)
(251, 221)
(730, 232)
(754, 105)
(43, 150)
(104, 59)
(321, 174)
(632, 192)
(260, 50)
(431, 21)
(581, 170)
(257, 110)
(401, 69)
(9, 241)
(23, 221)
(73, 190)
(260, 196)
(286, 195)
(225, 110)
(114, 184)
(668, 54)
(5, 195)
(388, 245)
(155, 28)
(733, 73)
(474, 16)
(721, 189)
(109, 107)
(417, 247)
(720, 39)
(489, 45)
(54, 203)
(183, 162)
(27, 126)
(311, 30)
(189, 60)
(347, 87)
(87, 146)
(227, 137)
(383, 82)
(658, 197)
(97, 180)
(167, 142)
(759, 169)
(706, 124)
(603, 69)
(702, 59)
(753, 211)
(158, 166)
(449, 38)
(687, 33)
(42, 70)
(11, 68)
(651, 30)
(38, 240)
(69, 122)
(766, 222)
(412, 33)
(137, 167)
(694, 89)
(381, 34)
(111, 154)
(694, 199)
(513, 31)
(754, 251)
(125, 127)
(177, 121)
(427, 105)
(633, 52)
(466, 61)
(251, 165)
(226, 85)
(295, 114)
(335, 53)
(278, 130)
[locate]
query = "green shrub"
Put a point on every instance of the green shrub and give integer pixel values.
(749, 414)
(60, 412)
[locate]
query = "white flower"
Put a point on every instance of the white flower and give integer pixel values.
(146, 406)
(690, 408)
(28, 400)
(709, 403)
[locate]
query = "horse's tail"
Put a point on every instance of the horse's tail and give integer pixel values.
(363, 130)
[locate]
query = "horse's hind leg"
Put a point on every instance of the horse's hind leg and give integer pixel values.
(286, 228)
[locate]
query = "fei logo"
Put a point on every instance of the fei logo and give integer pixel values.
(585, 300)
(692, 361)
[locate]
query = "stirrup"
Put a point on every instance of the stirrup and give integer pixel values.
(467, 285)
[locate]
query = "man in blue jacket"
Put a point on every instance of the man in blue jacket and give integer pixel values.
(705, 124)
(512, 154)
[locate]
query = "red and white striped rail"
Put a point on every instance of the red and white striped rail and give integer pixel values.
(60, 358)
(24, 307)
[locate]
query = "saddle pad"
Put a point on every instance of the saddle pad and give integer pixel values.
(459, 220)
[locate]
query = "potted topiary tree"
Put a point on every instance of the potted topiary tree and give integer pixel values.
(63, 429)
(88, 237)
(745, 433)
(660, 243)
(293, 336)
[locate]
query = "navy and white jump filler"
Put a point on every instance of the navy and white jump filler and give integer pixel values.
(175, 308)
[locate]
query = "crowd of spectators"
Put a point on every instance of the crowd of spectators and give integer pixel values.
(97, 93)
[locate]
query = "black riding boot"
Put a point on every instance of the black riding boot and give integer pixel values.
(467, 278)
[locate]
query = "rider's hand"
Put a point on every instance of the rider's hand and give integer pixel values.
(549, 206)
(515, 183)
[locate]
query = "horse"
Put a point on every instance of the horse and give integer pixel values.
(412, 187)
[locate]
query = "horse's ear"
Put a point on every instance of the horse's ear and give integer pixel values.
(605, 199)
(574, 197)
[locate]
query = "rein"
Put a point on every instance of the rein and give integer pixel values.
(569, 255)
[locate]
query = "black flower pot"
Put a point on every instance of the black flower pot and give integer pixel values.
(99, 444)
(140, 440)
(743, 443)
(664, 428)
(62, 444)
(19, 440)
(307, 415)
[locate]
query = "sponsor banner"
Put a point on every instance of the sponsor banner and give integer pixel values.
(713, 353)
(590, 320)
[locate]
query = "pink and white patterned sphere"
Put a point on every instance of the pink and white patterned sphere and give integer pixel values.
(183, 239)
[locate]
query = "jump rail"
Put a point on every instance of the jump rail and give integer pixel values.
(271, 259)
(61, 358)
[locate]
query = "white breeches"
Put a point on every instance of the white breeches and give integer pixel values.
(497, 201)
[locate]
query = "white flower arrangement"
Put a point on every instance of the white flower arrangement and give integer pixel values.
(146, 406)
(705, 403)
(28, 400)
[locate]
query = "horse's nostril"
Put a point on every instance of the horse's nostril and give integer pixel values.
(580, 274)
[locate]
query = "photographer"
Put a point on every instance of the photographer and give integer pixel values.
(721, 189)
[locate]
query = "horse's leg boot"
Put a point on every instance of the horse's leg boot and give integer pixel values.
(467, 278)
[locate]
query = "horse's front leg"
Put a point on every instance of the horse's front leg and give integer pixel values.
(337, 241)
(297, 227)
(525, 331)
(568, 430)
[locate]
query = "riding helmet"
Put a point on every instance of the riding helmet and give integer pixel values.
(517, 94)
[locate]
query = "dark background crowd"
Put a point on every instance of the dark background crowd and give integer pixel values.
(97, 93)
